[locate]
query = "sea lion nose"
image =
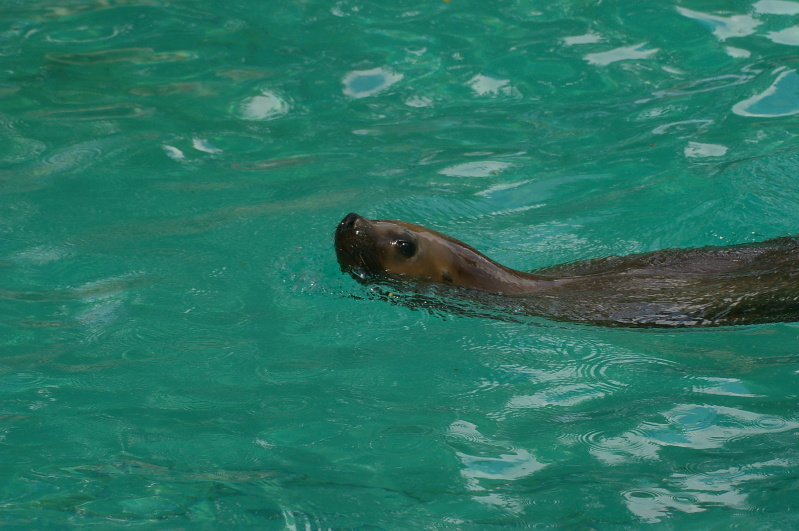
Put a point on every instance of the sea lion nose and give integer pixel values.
(349, 221)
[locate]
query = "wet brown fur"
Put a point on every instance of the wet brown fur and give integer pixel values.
(710, 286)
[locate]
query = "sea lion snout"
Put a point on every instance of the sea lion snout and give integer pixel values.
(354, 247)
(349, 227)
(349, 222)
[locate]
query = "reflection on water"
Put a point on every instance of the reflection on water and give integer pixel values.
(625, 53)
(365, 83)
(689, 426)
(723, 27)
(694, 493)
(265, 106)
(780, 99)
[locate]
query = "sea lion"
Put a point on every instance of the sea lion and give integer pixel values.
(708, 286)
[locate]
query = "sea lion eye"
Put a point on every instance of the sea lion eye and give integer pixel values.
(405, 247)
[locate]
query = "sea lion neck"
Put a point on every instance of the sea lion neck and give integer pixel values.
(461, 265)
(477, 271)
(513, 282)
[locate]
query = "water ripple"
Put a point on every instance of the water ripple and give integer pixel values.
(692, 426)
(148, 340)
(401, 439)
(17, 382)
(706, 85)
(182, 401)
(20, 149)
(696, 492)
(576, 372)
(121, 55)
(612, 449)
(282, 406)
(111, 111)
(721, 386)
(214, 307)
(265, 106)
(364, 83)
(86, 34)
(78, 155)
(653, 504)
(778, 100)
(299, 369)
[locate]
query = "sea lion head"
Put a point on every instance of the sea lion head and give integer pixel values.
(404, 251)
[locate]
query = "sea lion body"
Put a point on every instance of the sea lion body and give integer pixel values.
(710, 286)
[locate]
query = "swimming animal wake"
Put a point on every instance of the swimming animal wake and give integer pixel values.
(709, 286)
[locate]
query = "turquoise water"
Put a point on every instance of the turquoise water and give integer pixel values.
(180, 350)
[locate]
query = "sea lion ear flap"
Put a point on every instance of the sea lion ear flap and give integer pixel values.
(445, 276)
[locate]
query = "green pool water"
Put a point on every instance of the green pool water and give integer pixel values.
(179, 350)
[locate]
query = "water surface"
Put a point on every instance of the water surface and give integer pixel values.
(178, 348)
